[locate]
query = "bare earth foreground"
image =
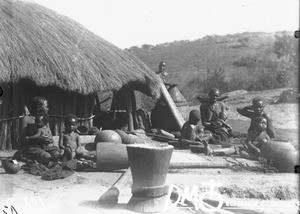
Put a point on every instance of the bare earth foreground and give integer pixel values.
(242, 186)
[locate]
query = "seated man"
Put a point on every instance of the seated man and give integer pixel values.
(210, 111)
(257, 110)
(191, 133)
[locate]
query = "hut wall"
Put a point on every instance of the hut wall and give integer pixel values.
(61, 103)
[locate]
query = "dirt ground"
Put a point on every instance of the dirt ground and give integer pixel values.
(243, 185)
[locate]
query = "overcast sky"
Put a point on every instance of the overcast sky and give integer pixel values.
(126, 23)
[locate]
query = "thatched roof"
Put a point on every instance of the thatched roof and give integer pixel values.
(39, 44)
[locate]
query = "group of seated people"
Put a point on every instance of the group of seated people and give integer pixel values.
(36, 140)
(217, 131)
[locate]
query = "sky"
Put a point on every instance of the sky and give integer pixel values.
(127, 23)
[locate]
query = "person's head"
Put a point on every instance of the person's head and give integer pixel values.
(41, 119)
(261, 123)
(39, 105)
(258, 105)
(213, 94)
(71, 122)
(222, 115)
(194, 117)
(161, 66)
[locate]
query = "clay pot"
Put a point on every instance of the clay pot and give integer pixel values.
(283, 155)
(177, 97)
(130, 138)
(108, 136)
(11, 166)
(111, 156)
(82, 130)
(149, 167)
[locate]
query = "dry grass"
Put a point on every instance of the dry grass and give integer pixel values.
(51, 49)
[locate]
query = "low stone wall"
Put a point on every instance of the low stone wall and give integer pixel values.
(84, 139)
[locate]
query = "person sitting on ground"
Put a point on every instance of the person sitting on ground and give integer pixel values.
(33, 149)
(255, 139)
(69, 141)
(40, 133)
(191, 132)
(257, 110)
(210, 111)
(37, 105)
(222, 131)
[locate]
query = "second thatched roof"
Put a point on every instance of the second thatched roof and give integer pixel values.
(39, 44)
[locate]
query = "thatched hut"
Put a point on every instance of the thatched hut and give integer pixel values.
(44, 53)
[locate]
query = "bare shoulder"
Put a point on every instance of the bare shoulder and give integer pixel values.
(263, 136)
(266, 115)
(27, 120)
(223, 105)
(75, 134)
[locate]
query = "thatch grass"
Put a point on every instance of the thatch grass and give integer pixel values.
(51, 49)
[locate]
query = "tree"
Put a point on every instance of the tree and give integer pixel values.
(286, 49)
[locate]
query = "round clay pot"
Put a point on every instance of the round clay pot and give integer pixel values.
(130, 138)
(11, 166)
(108, 136)
(283, 155)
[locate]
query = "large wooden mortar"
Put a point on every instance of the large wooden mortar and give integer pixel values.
(149, 167)
(283, 155)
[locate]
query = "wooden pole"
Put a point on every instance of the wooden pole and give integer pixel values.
(111, 196)
(133, 99)
(171, 105)
(129, 110)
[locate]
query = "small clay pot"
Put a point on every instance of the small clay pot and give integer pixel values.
(11, 166)
(82, 130)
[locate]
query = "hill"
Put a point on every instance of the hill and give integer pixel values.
(231, 62)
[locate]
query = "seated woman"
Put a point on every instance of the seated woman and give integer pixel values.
(39, 133)
(36, 148)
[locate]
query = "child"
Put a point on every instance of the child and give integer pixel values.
(40, 133)
(257, 110)
(191, 132)
(69, 141)
(255, 139)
